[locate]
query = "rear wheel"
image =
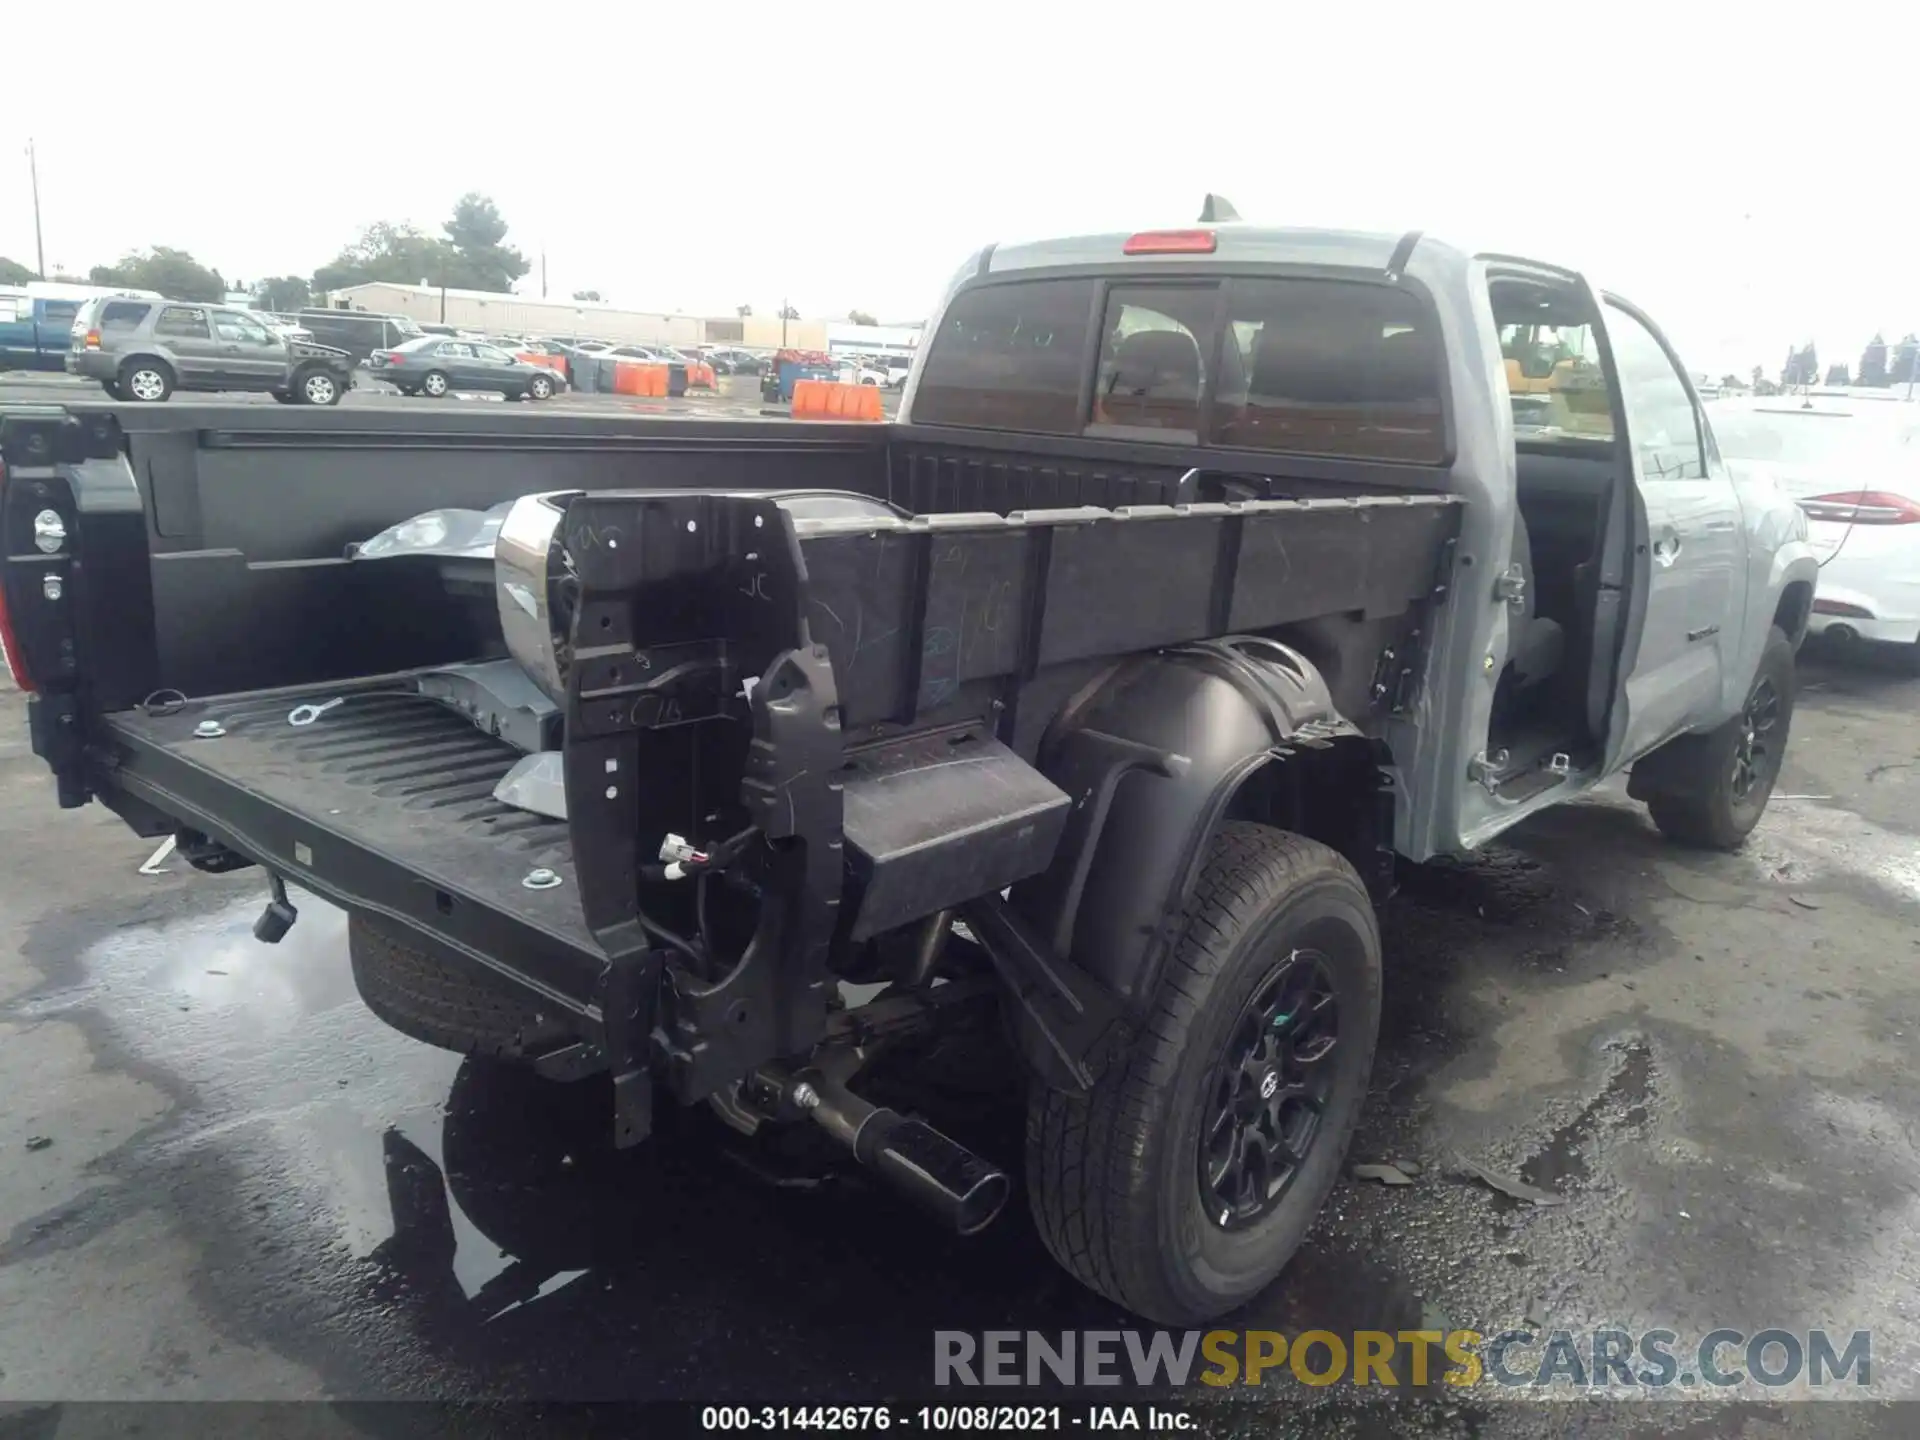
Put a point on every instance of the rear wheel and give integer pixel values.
(146, 380)
(434, 383)
(1734, 767)
(1183, 1183)
(540, 388)
(454, 1005)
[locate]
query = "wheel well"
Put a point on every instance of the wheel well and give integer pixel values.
(1796, 605)
(1337, 791)
(134, 361)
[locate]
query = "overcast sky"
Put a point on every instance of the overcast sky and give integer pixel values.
(1736, 174)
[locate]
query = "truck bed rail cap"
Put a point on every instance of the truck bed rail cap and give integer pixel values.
(1093, 514)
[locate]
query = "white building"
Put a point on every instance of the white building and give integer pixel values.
(893, 341)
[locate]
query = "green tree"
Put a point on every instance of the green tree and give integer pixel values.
(476, 232)
(395, 254)
(860, 317)
(1873, 363)
(743, 311)
(282, 292)
(469, 257)
(588, 295)
(1802, 367)
(12, 272)
(789, 312)
(174, 273)
(1905, 366)
(1837, 374)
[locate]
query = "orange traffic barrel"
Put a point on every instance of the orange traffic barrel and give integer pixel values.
(830, 400)
(633, 378)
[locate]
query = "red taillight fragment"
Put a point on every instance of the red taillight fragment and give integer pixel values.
(1171, 242)
(1863, 507)
(8, 642)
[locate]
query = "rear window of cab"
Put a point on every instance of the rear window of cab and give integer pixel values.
(1302, 365)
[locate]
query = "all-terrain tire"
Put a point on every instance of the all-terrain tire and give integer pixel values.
(452, 1004)
(1115, 1175)
(1713, 814)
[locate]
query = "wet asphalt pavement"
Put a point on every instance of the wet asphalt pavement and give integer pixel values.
(254, 1190)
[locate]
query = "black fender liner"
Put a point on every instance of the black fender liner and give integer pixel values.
(1153, 755)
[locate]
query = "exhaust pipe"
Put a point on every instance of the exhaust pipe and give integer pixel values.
(937, 1173)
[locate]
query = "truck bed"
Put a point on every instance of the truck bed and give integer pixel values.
(384, 794)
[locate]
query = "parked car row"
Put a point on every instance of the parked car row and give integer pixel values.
(889, 372)
(143, 348)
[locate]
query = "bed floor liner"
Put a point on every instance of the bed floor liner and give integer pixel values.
(386, 774)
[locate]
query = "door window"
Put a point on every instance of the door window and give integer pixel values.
(488, 352)
(1555, 381)
(239, 329)
(1660, 409)
(454, 350)
(182, 323)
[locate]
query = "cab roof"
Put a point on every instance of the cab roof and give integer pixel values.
(1235, 243)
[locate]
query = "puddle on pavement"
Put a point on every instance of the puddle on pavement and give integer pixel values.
(1622, 1103)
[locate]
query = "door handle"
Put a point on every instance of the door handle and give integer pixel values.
(1667, 548)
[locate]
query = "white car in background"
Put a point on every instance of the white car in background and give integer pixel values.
(281, 325)
(1854, 467)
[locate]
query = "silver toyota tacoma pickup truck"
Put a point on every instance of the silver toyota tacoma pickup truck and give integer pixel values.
(1084, 713)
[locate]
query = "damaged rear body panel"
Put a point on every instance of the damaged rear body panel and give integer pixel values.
(909, 714)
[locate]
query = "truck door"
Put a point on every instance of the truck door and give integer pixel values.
(1692, 562)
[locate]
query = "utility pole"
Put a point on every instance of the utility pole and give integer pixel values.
(543, 272)
(39, 250)
(784, 308)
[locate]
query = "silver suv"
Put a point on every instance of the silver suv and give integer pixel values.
(144, 350)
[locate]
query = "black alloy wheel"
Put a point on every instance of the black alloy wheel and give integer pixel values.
(1263, 1103)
